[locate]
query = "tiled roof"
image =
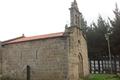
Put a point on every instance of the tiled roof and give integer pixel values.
(23, 39)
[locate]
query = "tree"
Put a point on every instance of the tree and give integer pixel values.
(115, 37)
(83, 24)
(96, 37)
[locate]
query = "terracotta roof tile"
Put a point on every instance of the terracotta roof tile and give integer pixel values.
(22, 39)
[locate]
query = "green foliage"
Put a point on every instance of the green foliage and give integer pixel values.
(84, 78)
(115, 31)
(95, 33)
(83, 24)
(96, 36)
(104, 77)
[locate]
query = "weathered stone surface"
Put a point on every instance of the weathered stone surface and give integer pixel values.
(46, 58)
(77, 56)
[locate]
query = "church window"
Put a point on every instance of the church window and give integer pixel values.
(76, 19)
(79, 41)
(36, 54)
(21, 55)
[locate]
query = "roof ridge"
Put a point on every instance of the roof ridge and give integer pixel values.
(14, 38)
(44, 34)
(23, 39)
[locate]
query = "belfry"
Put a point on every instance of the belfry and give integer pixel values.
(75, 15)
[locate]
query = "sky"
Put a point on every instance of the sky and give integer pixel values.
(36, 17)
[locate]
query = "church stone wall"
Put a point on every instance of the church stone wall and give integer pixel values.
(60, 58)
(0, 59)
(78, 57)
(84, 52)
(0, 62)
(48, 59)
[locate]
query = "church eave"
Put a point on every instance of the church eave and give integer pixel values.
(33, 38)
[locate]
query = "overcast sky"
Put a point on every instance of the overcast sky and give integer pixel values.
(35, 17)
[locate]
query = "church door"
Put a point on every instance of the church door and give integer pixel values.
(80, 66)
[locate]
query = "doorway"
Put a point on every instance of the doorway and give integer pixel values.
(80, 66)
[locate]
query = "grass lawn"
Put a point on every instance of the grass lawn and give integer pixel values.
(104, 77)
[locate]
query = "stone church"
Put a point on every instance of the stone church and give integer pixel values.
(55, 56)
